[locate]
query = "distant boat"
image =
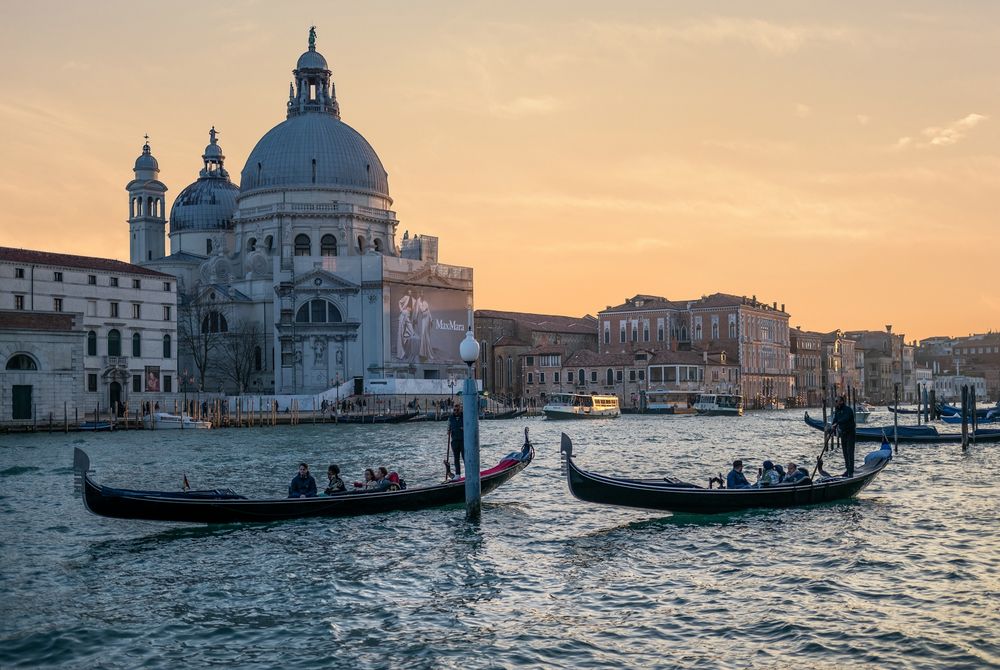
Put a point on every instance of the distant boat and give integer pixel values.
(667, 402)
(164, 421)
(862, 413)
(581, 406)
(96, 425)
(913, 434)
(719, 404)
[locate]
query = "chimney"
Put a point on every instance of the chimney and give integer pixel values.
(888, 328)
(782, 307)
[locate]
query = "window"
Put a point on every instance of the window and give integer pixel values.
(550, 361)
(659, 330)
(114, 309)
(166, 286)
(609, 377)
(555, 378)
(57, 276)
(621, 331)
(113, 281)
(531, 378)
(593, 376)
(607, 332)
(136, 383)
(92, 383)
(287, 356)
(715, 330)
(18, 302)
(114, 343)
(166, 346)
(581, 377)
(318, 311)
(92, 280)
(208, 247)
(328, 246)
(541, 377)
(91, 343)
(645, 331)
(252, 244)
(258, 358)
(529, 360)
(136, 310)
(57, 304)
(136, 345)
(21, 362)
(18, 273)
(303, 245)
(214, 322)
(136, 283)
(168, 384)
(166, 312)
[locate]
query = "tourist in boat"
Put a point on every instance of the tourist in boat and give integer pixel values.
(736, 479)
(334, 483)
(382, 482)
(844, 424)
(303, 485)
(794, 474)
(369, 483)
(456, 435)
(767, 476)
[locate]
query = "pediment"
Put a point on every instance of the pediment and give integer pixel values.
(429, 275)
(322, 280)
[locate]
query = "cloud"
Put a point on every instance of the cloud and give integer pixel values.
(943, 136)
(774, 38)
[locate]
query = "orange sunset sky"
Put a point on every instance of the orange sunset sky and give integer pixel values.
(842, 158)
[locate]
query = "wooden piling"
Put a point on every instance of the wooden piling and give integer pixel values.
(65, 417)
(965, 417)
(895, 418)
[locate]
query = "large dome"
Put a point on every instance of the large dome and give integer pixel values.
(314, 149)
(207, 204)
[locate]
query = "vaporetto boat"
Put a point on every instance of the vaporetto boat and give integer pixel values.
(581, 406)
(721, 404)
(164, 421)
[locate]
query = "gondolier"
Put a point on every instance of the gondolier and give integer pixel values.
(843, 422)
(456, 435)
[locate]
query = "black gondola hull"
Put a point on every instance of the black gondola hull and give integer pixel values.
(664, 496)
(913, 434)
(150, 506)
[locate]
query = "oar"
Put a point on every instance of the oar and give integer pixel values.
(826, 445)
(447, 457)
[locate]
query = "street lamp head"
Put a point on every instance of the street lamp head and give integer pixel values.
(469, 349)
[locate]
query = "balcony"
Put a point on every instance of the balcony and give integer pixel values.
(116, 361)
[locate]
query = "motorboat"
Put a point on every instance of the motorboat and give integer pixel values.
(165, 421)
(719, 404)
(581, 406)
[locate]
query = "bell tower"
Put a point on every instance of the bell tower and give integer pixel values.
(146, 200)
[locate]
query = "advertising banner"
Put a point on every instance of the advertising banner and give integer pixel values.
(152, 378)
(428, 323)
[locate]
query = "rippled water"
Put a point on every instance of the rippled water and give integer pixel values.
(905, 576)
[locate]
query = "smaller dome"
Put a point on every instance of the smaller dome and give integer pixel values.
(311, 60)
(213, 151)
(145, 161)
(207, 204)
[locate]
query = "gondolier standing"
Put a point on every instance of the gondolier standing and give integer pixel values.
(456, 435)
(843, 422)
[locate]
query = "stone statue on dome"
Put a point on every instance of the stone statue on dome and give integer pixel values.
(312, 38)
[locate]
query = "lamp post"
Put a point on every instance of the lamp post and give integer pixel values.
(469, 351)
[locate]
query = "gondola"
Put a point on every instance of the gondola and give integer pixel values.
(670, 495)
(377, 418)
(913, 434)
(226, 506)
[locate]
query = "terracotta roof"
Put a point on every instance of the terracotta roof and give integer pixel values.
(648, 302)
(549, 323)
(20, 320)
(729, 300)
(31, 257)
(511, 341)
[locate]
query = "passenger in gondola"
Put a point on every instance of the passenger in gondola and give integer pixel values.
(335, 484)
(794, 474)
(303, 485)
(736, 479)
(382, 482)
(369, 483)
(767, 476)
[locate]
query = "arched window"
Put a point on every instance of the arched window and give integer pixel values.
(258, 358)
(252, 244)
(303, 245)
(166, 346)
(581, 376)
(610, 377)
(114, 343)
(214, 322)
(361, 244)
(21, 362)
(378, 245)
(318, 311)
(697, 331)
(136, 345)
(684, 333)
(732, 330)
(328, 246)
(91, 343)
(268, 243)
(510, 373)
(715, 331)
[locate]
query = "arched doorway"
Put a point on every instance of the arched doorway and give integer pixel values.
(115, 398)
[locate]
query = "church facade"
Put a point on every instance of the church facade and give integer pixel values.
(294, 281)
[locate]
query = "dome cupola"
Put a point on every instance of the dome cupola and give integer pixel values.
(210, 202)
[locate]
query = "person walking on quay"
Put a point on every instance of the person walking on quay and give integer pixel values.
(843, 422)
(303, 485)
(456, 436)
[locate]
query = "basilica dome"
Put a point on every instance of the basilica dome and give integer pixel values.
(314, 149)
(209, 203)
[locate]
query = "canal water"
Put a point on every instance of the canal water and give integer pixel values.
(905, 576)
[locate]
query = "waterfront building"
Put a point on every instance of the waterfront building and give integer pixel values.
(807, 362)
(294, 281)
(977, 355)
(125, 314)
(884, 359)
(948, 388)
(753, 335)
(839, 363)
(514, 344)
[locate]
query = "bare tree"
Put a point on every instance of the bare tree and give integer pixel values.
(238, 353)
(201, 329)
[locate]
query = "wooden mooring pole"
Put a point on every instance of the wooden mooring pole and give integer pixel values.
(895, 418)
(965, 417)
